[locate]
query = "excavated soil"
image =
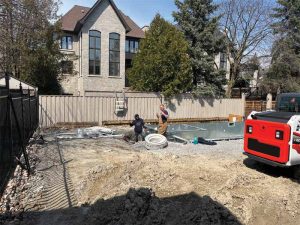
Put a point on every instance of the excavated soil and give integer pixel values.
(117, 183)
(253, 193)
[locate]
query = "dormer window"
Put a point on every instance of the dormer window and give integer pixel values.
(66, 42)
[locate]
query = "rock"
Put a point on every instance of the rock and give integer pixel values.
(175, 157)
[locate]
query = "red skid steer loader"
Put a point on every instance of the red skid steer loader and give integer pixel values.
(273, 137)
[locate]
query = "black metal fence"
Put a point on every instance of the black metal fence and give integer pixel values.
(18, 121)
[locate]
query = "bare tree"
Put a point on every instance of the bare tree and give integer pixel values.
(247, 26)
(27, 47)
(23, 27)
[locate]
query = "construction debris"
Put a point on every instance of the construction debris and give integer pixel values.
(92, 132)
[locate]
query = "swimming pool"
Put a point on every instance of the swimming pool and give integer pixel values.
(210, 131)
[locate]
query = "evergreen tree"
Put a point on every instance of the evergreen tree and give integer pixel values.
(284, 72)
(195, 19)
(162, 63)
(287, 26)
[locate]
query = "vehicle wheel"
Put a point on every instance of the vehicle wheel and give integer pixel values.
(296, 172)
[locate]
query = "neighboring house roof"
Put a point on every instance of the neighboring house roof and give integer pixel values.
(135, 31)
(145, 28)
(73, 20)
(14, 83)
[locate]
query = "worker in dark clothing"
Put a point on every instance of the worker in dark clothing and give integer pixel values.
(138, 124)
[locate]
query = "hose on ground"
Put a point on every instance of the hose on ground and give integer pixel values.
(156, 141)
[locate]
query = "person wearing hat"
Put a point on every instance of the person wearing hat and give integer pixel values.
(139, 125)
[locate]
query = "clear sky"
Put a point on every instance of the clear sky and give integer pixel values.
(141, 11)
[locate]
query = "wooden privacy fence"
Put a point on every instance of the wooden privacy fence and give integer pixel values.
(98, 110)
(257, 106)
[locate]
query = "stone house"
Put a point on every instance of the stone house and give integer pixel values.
(222, 62)
(98, 44)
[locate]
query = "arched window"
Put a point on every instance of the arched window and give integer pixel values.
(94, 52)
(114, 54)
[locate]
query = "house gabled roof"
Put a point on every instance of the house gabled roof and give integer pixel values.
(82, 21)
(72, 17)
(73, 20)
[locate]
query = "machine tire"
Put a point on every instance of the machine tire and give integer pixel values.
(296, 172)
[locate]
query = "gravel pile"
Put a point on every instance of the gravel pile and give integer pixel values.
(20, 191)
(142, 207)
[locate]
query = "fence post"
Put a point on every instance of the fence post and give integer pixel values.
(37, 109)
(20, 136)
(9, 122)
(244, 104)
(269, 102)
(22, 105)
(29, 110)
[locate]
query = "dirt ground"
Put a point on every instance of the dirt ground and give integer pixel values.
(118, 183)
(106, 169)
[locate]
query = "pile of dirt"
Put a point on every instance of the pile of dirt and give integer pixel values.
(142, 207)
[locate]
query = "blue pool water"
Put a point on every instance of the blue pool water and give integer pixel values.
(209, 131)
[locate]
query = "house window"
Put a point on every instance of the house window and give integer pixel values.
(114, 54)
(127, 46)
(94, 52)
(67, 67)
(136, 46)
(223, 61)
(66, 42)
(132, 46)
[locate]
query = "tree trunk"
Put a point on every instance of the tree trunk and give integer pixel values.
(229, 88)
(234, 72)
